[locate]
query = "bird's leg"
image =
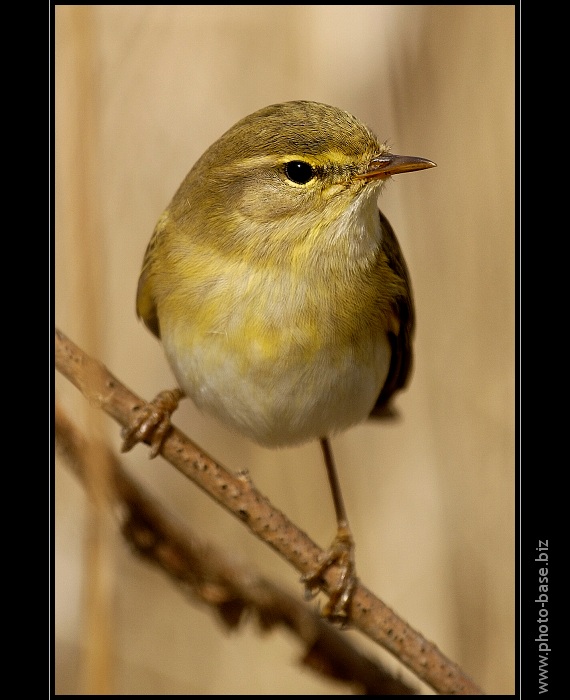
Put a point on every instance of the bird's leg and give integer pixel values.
(341, 552)
(152, 422)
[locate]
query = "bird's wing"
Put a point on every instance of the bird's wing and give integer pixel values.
(146, 305)
(400, 341)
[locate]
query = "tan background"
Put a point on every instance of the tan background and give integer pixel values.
(431, 498)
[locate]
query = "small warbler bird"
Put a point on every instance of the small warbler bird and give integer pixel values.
(280, 293)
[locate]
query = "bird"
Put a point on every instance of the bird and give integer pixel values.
(280, 293)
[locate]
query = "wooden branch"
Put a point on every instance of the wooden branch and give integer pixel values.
(205, 573)
(237, 494)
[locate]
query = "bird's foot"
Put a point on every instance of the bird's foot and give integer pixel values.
(341, 554)
(152, 422)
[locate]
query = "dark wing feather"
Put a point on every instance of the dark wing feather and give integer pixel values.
(401, 342)
(146, 305)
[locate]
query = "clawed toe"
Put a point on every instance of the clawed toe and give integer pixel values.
(341, 554)
(152, 422)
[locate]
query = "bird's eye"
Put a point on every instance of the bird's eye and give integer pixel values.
(299, 172)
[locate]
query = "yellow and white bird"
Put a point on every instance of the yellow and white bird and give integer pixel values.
(279, 291)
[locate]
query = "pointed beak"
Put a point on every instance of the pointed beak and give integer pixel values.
(387, 164)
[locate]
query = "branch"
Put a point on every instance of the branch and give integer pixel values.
(237, 494)
(206, 573)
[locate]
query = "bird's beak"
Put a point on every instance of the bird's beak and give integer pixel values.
(387, 164)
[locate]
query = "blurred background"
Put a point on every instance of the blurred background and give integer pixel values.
(140, 93)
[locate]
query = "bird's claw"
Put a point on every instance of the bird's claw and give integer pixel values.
(341, 554)
(152, 422)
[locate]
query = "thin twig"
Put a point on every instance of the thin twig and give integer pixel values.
(237, 494)
(207, 574)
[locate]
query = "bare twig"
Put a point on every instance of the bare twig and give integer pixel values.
(206, 574)
(238, 495)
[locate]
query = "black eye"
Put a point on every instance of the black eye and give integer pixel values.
(299, 172)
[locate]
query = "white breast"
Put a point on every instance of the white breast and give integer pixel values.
(282, 399)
